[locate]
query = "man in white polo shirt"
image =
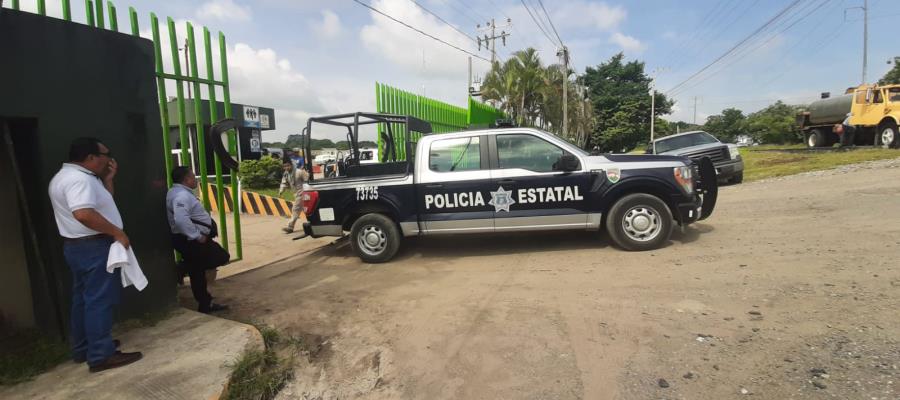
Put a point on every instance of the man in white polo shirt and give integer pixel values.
(87, 218)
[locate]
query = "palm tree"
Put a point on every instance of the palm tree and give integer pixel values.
(532, 94)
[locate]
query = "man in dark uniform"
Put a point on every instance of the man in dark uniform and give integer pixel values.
(193, 231)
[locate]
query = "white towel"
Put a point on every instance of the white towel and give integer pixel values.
(119, 257)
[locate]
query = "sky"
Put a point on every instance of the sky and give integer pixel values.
(308, 58)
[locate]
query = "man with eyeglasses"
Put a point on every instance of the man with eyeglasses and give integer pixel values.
(88, 220)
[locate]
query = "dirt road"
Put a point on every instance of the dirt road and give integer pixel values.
(790, 290)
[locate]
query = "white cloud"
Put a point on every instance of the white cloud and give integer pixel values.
(224, 10)
(581, 14)
(670, 35)
(412, 50)
(329, 27)
(628, 43)
(260, 77)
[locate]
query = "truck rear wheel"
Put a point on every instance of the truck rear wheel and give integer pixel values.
(375, 238)
(889, 139)
(639, 222)
(818, 138)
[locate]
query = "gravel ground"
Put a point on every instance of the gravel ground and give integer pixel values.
(789, 291)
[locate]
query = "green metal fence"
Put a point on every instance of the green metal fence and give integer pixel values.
(444, 117)
(94, 16)
(482, 115)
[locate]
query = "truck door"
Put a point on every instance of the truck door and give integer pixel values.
(451, 192)
(529, 190)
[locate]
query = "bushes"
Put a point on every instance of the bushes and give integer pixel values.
(260, 174)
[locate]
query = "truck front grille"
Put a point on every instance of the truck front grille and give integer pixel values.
(715, 155)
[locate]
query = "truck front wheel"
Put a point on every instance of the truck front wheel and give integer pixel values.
(818, 138)
(375, 238)
(889, 139)
(639, 222)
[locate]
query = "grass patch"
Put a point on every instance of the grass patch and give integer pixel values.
(261, 374)
(25, 354)
(760, 162)
(287, 195)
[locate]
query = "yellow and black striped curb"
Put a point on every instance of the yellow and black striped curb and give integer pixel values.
(252, 203)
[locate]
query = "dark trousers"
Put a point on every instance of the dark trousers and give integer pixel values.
(94, 294)
(198, 258)
(849, 135)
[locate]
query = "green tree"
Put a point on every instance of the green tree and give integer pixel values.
(892, 77)
(775, 124)
(728, 125)
(260, 174)
(619, 93)
(532, 95)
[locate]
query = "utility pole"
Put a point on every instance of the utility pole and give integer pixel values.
(490, 41)
(563, 53)
(865, 39)
(695, 110)
(652, 113)
(865, 10)
(187, 66)
(469, 87)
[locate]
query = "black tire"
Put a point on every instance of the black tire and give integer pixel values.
(737, 178)
(652, 210)
(817, 138)
(375, 238)
(888, 135)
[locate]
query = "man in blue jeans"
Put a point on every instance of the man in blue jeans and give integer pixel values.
(89, 222)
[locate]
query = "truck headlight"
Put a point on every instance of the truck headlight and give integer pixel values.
(733, 151)
(684, 178)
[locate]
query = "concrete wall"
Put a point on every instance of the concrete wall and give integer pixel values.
(61, 80)
(16, 308)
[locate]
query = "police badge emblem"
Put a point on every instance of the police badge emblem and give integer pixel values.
(613, 175)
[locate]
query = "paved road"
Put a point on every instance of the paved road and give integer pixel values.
(789, 290)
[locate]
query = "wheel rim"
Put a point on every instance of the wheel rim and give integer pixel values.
(887, 137)
(371, 240)
(642, 223)
(811, 140)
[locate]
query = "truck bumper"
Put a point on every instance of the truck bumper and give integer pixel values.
(729, 168)
(317, 231)
(689, 212)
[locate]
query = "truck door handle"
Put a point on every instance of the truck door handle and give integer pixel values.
(507, 181)
(435, 186)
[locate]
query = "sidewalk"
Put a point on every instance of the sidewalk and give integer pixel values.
(185, 357)
(264, 243)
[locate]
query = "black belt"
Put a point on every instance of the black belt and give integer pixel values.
(83, 238)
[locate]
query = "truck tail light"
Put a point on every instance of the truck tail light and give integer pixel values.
(684, 178)
(310, 200)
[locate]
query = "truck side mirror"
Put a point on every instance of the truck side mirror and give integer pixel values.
(568, 163)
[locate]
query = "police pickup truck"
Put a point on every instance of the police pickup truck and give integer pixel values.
(494, 181)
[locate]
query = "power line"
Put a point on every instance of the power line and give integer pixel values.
(740, 43)
(745, 51)
(550, 21)
(420, 31)
(442, 20)
(458, 11)
(537, 23)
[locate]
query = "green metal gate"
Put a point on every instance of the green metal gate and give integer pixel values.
(94, 16)
(444, 117)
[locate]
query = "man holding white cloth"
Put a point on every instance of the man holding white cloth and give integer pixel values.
(81, 194)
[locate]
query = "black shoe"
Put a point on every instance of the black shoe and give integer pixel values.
(79, 360)
(117, 360)
(213, 307)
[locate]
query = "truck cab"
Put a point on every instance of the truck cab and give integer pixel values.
(508, 180)
(874, 115)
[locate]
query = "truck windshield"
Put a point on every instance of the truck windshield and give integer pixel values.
(686, 140)
(894, 94)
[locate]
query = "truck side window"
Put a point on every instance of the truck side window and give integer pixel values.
(527, 152)
(453, 155)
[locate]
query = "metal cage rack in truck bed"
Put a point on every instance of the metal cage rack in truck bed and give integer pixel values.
(498, 180)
